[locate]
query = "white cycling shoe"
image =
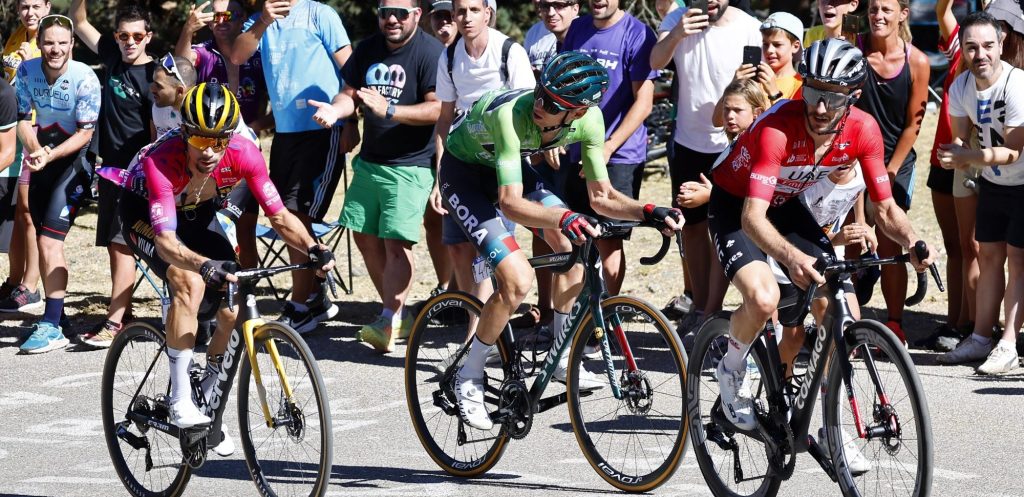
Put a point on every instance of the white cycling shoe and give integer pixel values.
(469, 394)
(185, 414)
(855, 459)
(737, 402)
(588, 381)
(226, 447)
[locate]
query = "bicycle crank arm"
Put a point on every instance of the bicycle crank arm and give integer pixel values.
(163, 426)
(553, 401)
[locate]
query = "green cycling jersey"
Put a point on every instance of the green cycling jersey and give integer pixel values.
(499, 130)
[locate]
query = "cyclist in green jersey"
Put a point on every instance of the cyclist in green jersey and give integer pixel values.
(483, 170)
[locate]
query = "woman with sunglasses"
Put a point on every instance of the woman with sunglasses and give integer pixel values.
(170, 198)
(755, 212)
(482, 171)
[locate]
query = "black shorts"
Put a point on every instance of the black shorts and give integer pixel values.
(8, 204)
(688, 165)
(55, 194)
(305, 167)
(108, 223)
(625, 178)
(470, 194)
(903, 186)
(1000, 215)
(199, 230)
(941, 180)
(735, 249)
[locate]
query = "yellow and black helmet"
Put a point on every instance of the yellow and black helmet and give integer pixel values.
(209, 109)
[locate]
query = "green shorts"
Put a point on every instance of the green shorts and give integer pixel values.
(387, 201)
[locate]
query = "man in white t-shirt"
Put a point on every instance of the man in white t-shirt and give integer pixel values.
(706, 48)
(988, 99)
(544, 36)
(477, 66)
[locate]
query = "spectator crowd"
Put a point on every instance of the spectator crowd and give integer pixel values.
(297, 74)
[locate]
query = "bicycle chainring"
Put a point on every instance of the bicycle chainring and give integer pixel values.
(783, 458)
(193, 446)
(515, 409)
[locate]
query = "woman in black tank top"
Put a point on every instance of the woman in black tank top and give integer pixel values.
(896, 94)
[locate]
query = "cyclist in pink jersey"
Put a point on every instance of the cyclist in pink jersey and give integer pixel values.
(753, 213)
(168, 210)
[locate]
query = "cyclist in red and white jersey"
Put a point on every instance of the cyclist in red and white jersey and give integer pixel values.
(753, 213)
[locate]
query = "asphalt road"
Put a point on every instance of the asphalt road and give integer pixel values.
(53, 445)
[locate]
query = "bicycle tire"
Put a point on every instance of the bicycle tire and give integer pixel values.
(654, 418)
(275, 477)
(701, 395)
(891, 359)
(437, 335)
(136, 350)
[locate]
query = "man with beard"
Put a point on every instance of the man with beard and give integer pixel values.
(544, 36)
(391, 75)
(442, 23)
(707, 48)
(65, 95)
(123, 129)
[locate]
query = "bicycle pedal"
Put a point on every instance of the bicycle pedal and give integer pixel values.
(194, 435)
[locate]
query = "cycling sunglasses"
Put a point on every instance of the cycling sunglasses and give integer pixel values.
(544, 6)
(57, 19)
(124, 36)
(217, 143)
(832, 99)
(546, 102)
(400, 13)
(223, 17)
(167, 62)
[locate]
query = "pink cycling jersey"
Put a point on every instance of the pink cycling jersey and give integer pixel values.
(774, 159)
(159, 173)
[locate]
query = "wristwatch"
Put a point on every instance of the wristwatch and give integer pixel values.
(390, 113)
(776, 96)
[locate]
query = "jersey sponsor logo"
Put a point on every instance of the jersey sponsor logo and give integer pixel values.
(764, 179)
(469, 221)
(842, 146)
(156, 214)
(882, 179)
(842, 158)
(52, 94)
(742, 160)
(389, 81)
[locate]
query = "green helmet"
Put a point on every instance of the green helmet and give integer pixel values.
(574, 80)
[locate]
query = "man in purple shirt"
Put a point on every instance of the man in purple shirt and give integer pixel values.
(622, 44)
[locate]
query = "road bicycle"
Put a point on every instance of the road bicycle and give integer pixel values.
(633, 432)
(874, 406)
(283, 412)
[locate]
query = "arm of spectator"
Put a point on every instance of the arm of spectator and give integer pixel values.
(441, 128)
(643, 94)
(341, 56)
(85, 30)
(944, 13)
(8, 142)
(40, 158)
(249, 40)
(342, 106)
(27, 136)
(694, 194)
(197, 19)
(692, 22)
(152, 131)
(421, 114)
(919, 72)
(893, 221)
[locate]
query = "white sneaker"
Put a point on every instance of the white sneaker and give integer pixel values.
(855, 460)
(1003, 359)
(592, 352)
(737, 402)
(588, 381)
(226, 447)
(969, 350)
(469, 394)
(185, 414)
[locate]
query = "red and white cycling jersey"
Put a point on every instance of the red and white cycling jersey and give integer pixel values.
(774, 159)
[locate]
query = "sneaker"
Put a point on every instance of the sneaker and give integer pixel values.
(378, 334)
(588, 381)
(897, 329)
(737, 403)
(5, 289)
(44, 338)
(102, 335)
(405, 328)
(592, 352)
(226, 447)
(185, 414)
(969, 350)
(690, 324)
(678, 307)
(319, 309)
(469, 394)
(855, 460)
(22, 300)
(1002, 359)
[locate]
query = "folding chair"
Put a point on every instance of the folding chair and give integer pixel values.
(159, 286)
(327, 234)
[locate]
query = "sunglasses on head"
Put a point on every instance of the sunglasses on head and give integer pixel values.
(222, 17)
(167, 62)
(57, 19)
(832, 99)
(124, 36)
(217, 143)
(400, 13)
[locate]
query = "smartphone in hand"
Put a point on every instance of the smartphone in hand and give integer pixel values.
(752, 55)
(701, 5)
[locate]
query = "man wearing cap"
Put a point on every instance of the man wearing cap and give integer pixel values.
(441, 22)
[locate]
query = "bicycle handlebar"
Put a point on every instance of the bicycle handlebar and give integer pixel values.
(255, 274)
(831, 268)
(613, 228)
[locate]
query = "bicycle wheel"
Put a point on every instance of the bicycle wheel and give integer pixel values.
(438, 335)
(635, 443)
(733, 464)
(890, 403)
(292, 457)
(136, 377)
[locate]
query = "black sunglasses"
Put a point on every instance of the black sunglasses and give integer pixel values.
(400, 13)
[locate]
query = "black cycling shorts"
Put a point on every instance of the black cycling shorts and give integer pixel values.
(1000, 216)
(470, 193)
(56, 193)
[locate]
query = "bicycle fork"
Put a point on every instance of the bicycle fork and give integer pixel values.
(248, 331)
